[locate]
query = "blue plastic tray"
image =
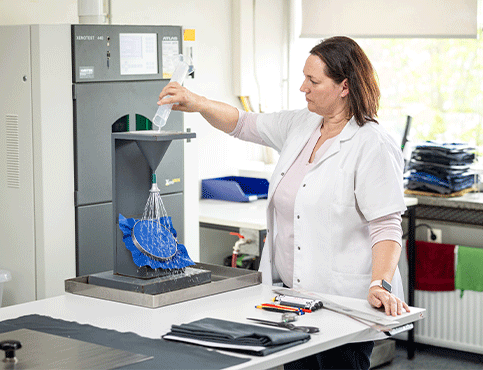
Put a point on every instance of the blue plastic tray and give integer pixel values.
(234, 188)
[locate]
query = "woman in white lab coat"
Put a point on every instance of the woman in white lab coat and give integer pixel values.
(336, 195)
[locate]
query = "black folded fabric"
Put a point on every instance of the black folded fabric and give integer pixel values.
(444, 153)
(252, 339)
(166, 355)
(435, 156)
(439, 170)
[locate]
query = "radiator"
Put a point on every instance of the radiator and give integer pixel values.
(451, 321)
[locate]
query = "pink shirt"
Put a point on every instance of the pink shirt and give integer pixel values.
(384, 228)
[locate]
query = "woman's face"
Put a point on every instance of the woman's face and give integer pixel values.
(324, 96)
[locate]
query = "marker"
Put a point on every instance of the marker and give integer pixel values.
(286, 301)
(299, 302)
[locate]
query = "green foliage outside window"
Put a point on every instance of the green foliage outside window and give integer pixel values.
(438, 82)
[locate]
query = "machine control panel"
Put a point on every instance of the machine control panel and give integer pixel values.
(124, 53)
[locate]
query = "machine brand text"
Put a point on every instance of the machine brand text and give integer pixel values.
(172, 182)
(84, 38)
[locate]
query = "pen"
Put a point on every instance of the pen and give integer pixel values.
(281, 310)
(287, 308)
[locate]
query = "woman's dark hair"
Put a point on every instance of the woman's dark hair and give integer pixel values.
(344, 58)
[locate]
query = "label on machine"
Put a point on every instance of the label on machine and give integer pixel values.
(170, 49)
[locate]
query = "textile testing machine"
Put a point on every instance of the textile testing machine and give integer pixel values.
(117, 71)
(136, 157)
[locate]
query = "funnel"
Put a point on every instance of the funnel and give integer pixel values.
(153, 151)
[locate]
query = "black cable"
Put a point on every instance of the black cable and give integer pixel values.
(433, 235)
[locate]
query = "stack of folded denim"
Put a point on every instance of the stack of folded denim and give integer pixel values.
(441, 168)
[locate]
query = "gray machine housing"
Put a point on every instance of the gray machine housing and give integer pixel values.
(106, 101)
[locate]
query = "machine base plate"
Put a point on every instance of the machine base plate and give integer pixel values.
(223, 279)
(190, 277)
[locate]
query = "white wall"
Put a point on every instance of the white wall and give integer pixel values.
(38, 11)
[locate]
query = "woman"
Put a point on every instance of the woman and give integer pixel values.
(336, 194)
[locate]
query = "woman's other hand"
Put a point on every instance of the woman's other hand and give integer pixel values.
(379, 297)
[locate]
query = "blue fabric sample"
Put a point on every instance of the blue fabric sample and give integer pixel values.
(180, 260)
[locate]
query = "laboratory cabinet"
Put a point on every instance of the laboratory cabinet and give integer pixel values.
(37, 230)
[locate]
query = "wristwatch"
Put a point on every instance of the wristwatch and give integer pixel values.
(383, 284)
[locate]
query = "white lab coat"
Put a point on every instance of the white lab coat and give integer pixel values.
(358, 179)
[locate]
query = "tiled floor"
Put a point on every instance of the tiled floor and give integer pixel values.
(429, 358)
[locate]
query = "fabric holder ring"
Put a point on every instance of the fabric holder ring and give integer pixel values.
(152, 239)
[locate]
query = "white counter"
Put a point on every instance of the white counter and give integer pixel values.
(250, 215)
(237, 305)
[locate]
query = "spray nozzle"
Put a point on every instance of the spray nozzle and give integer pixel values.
(154, 184)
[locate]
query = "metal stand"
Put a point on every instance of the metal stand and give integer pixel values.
(135, 156)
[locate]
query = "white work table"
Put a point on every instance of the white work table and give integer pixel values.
(251, 215)
(236, 305)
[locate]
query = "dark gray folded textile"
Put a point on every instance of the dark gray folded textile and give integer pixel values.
(166, 355)
(216, 333)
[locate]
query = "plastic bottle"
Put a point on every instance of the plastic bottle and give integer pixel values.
(179, 75)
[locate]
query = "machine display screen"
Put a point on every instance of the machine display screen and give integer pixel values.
(138, 53)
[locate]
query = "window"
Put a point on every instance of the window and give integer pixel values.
(439, 82)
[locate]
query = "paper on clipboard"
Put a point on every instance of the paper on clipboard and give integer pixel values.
(328, 304)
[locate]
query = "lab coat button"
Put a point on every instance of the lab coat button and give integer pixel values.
(298, 216)
(304, 185)
(298, 280)
(298, 248)
(283, 174)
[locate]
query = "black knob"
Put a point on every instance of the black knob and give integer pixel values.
(10, 346)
